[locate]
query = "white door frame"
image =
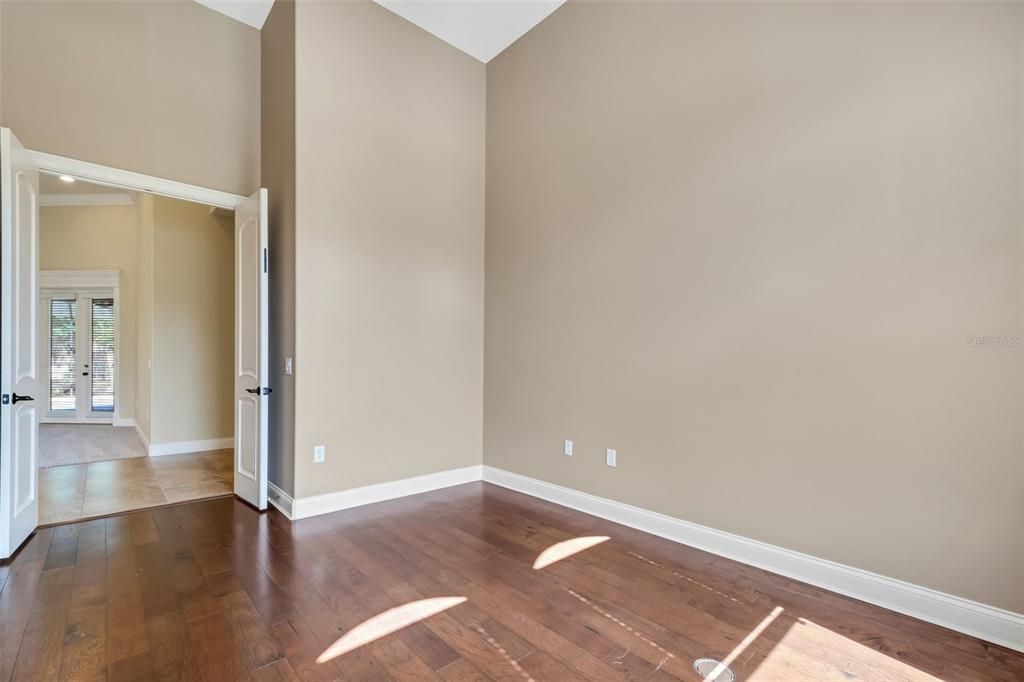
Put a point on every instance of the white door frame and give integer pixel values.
(130, 180)
(115, 177)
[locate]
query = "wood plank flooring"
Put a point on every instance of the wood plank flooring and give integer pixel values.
(80, 491)
(439, 586)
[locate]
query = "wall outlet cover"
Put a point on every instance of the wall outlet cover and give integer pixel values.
(610, 457)
(319, 454)
(568, 448)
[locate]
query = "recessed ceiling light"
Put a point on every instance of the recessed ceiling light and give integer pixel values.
(66, 178)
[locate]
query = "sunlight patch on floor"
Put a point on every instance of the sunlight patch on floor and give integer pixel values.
(566, 549)
(387, 623)
(815, 652)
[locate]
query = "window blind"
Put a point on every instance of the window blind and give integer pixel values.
(62, 354)
(102, 352)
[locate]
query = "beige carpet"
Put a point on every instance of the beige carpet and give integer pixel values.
(80, 443)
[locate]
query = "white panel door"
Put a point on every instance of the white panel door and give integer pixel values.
(251, 350)
(19, 367)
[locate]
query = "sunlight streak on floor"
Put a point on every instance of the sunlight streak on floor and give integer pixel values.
(388, 622)
(567, 548)
(504, 654)
(622, 624)
(677, 574)
(747, 641)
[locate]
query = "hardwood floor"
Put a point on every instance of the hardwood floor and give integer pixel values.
(215, 591)
(79, 491)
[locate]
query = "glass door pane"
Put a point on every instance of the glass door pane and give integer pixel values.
(63, 340)
(102, 352)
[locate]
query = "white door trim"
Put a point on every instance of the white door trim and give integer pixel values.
(125, 179)
(79, 279)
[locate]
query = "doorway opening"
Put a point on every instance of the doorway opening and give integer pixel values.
(136, 297)
(134, 321)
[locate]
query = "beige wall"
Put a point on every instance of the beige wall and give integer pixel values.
(389, 249)
(193, 323)
(99, 238)
(167, 88)
(747, 246)
(277, 92)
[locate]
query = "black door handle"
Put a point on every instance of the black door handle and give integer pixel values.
(19, 398)
(85, 374)
(254, 391)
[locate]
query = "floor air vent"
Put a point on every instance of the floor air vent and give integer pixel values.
(713, 671)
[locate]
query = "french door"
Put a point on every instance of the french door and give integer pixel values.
(19, 378)
(79, 355)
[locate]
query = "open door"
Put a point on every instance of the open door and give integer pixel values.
(252, 371)
(19, 381)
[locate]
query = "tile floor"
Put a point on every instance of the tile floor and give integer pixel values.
(80, 491)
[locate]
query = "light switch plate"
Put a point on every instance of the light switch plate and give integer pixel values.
(319, 454)
(568, 448)
(609, 457)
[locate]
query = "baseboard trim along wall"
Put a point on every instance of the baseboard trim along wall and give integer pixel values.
(142, 436)
(963, 615)
(304, 507)
(184, 446)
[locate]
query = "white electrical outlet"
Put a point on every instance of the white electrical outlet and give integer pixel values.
(319, 454)
(609, 457)
(568, 448)
(288, 366)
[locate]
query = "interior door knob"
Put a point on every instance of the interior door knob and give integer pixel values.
(20, 398)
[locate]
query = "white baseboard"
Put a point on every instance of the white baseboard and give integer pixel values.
(963, 615)
(280, 499)
(142, 436)
(180, 447)
(127, 422)
(304, 507)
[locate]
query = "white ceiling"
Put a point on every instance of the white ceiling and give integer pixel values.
(480, 28)
(50, 184)
(55, 192)
(251, 12)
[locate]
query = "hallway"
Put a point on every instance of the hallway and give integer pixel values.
(80, 491)
(62, 444)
